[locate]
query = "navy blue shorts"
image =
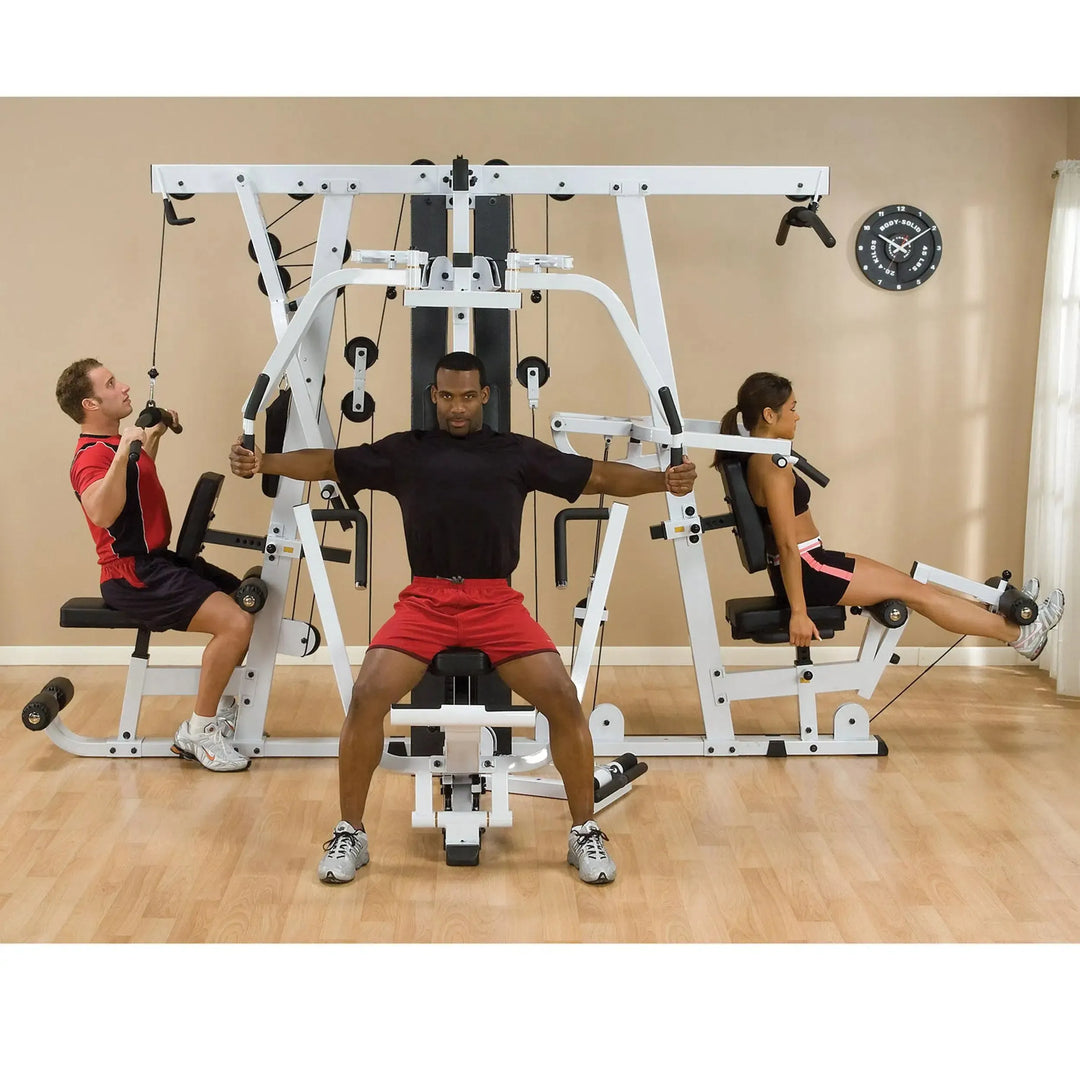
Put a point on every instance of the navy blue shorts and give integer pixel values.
(174, 590)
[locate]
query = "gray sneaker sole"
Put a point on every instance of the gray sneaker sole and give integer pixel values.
(600, 879)
(328, 876)
(188, 756)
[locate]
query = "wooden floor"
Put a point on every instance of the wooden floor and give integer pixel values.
(968, 831)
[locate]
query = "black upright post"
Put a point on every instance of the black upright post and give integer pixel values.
(491, 326)
(428, 214)
(491, 343)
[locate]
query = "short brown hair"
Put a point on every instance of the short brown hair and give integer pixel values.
(74, 385)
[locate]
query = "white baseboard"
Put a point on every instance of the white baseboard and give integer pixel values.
(613, 655)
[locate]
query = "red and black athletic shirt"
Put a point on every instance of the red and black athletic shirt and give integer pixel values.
(143, 525)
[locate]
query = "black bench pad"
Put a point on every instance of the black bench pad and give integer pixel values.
(91, 611)
(460, 662)
(765, 619)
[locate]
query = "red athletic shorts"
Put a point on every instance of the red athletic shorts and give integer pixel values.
(433, 614)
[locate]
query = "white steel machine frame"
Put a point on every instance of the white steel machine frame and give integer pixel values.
(303, 328)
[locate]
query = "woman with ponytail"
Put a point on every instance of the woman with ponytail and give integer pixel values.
(804, 573)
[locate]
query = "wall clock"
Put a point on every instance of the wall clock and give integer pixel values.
(898, 247)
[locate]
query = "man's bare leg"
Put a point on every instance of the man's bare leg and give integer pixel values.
(542, 680)
(230, 630)
(386, 676)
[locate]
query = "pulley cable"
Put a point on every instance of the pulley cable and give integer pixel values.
(532, 413)
(388, 295)
(157, 307)
(391, 292)
(592, 579)
(151, 414)
(918, 677)
(280, 216)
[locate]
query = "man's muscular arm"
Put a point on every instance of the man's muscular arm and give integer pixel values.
(297, 464)
(619, 479)
(104, 499)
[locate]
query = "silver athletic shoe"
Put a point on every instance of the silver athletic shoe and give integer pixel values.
(586, 852)
(227, 709)
(208, 747)
(346, 851)
(1032, 639)
(1031, 588)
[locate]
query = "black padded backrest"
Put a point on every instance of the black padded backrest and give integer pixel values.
(199, 514)
(749, 531)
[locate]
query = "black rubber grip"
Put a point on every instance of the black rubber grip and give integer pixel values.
(572, 513)
(804, 466)
(667, 402)
(827, 237)
(360, 553)
(251, 407)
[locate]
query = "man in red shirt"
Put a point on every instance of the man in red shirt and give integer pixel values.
(128, 515)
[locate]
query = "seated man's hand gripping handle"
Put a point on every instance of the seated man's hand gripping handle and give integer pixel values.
(296, 465)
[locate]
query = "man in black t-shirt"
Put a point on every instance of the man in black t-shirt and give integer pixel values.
(461, 489)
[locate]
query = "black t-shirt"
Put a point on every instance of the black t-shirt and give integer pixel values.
(461, 497)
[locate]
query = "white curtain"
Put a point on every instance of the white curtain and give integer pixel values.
(1052, 540)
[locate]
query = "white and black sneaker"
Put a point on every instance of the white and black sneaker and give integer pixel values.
(1032, 639)
(346, 851)
(586, 851)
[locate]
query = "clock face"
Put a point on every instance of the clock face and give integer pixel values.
(898, 247)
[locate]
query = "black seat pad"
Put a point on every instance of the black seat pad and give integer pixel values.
(460, 662)
(765, 619)
(92, 611)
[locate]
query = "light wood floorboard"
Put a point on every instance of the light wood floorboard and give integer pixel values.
(968, 831)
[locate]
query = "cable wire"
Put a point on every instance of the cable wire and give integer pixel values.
(918, 677)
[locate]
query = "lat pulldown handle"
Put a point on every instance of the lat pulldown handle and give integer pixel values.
(804, 217)
(151, 416)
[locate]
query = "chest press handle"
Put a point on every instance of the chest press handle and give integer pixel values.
(251, 410)
(571, 513)
(674, 422)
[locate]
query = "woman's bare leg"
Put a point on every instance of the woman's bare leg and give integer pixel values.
(873, 582)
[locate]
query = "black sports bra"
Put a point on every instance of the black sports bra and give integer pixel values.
(802, 500)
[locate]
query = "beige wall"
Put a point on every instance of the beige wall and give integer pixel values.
(917, 404)
(1072, 148)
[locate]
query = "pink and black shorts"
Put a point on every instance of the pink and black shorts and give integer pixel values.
(433, 614)
(825, 574)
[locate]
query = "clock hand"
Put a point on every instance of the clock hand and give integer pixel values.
(911, 238)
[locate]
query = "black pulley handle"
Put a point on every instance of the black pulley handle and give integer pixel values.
(151, 416)
(804, 217)
(667, 402)
(571, 513)
(360, 555)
